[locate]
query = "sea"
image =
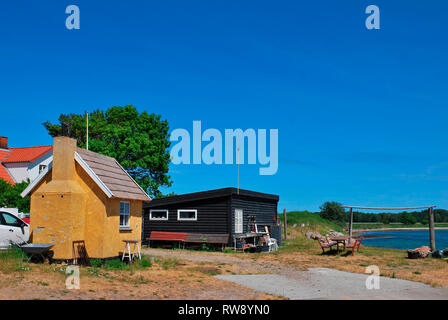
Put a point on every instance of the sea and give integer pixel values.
(404, 239)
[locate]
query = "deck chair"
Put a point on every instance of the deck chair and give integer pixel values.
(329, 241)
(325, 245)
(352, 245)
(271, 242)
(359, 244)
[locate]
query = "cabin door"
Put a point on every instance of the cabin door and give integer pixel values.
(238, 221)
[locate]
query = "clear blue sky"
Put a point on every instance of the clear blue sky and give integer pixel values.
(362, 115)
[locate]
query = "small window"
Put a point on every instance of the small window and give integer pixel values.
(187, 214)
(159, 215)
(42, 167)
(124, 214)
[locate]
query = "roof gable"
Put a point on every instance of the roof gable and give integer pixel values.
(112, 174)
(107, 173)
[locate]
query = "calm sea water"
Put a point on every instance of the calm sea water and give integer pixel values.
(405, 239)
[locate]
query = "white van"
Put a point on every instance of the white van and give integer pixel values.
(13, 230)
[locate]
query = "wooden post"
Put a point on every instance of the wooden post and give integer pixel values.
(432, 238)
(350, 224)
(284, 223)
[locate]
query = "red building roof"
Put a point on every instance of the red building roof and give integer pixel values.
(20, 155)
(3, 172)
(28, 154)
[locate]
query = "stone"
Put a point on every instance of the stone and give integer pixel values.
(316, 236)
(308, 234)
(419, 253)
(333, 233)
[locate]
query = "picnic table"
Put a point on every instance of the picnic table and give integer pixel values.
(339, 240)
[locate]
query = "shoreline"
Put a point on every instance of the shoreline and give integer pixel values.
(396, 229)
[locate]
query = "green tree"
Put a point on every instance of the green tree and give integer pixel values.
(332, 211)
(139, 142)
(408, 218)
(10, 196)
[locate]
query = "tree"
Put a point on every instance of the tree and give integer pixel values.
(10, 196)
(332, 211)
(408, 218)
(139, 142)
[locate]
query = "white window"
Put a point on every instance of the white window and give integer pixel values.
(125, 214)
(238, 221)
(42, 167)
(187, 215)
(160, 215)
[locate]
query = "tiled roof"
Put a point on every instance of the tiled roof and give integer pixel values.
(4, 174)
(109, 171)
(28, 154)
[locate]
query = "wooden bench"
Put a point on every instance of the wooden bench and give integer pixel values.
(167, 236)
(207, 238)
(327, 245)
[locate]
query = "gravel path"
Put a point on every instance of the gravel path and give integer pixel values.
(315, 283)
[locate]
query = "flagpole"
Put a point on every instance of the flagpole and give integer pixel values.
(87, 144)
(238, 165)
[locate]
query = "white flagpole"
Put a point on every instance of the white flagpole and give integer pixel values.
(87, 144)
(238, 165)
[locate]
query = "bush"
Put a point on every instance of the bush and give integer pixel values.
(145, 263)
(115, 264)
(96, 263)
(332, 211)
(408, 218)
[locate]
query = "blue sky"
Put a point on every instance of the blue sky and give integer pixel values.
(361, 114)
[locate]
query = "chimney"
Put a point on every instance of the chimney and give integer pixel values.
(3, 142)
(64, 158)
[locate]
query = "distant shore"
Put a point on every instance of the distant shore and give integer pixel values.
(396, 229)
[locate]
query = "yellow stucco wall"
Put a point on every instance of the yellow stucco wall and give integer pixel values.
(63, 211)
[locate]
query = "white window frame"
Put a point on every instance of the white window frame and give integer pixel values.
(128, 214)
(158, 219)
(187, 219)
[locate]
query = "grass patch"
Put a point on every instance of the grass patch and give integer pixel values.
(210, 271)
(11, 261)
(169, 263)
(311, 221)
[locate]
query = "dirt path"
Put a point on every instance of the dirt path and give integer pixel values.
(315, 283)
(244, 265)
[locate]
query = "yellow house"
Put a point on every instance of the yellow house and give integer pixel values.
(84, 197)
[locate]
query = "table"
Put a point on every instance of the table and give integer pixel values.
(127, 246)
(243, 237)
(339, 240)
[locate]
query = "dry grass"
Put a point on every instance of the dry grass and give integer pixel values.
(165, 279)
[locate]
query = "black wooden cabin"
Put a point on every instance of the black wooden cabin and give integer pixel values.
(223, 211)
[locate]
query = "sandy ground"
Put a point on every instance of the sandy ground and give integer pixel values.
(186, 280)
(315, 283)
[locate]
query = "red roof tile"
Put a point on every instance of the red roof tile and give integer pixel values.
(28, 154)
(5, 175)
(3, 154)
